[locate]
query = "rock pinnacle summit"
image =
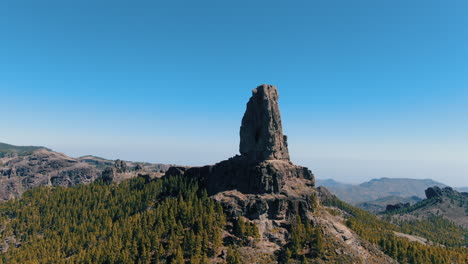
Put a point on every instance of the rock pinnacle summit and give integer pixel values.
(263, 165)
(261, 132)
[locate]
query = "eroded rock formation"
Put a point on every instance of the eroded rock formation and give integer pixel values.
(264, 165)
(261, 132)
(263, 186)
(42, 166)
(435, 191)
(261, 181)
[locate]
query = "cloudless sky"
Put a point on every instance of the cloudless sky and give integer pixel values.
(367, 88)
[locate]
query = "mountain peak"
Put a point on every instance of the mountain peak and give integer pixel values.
(261, 132)
(264, 165)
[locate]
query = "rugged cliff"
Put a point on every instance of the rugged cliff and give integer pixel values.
(262, 186)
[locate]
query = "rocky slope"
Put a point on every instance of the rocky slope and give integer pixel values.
(439, 202)
(20, 171)
(23, 168)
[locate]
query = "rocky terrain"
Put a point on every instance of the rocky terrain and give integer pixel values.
(255, 207)
(22, 171)
(264, 187)
(24, 168)
(441, 202)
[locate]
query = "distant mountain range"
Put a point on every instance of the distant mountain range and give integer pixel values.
(375, 194)
(379, 188)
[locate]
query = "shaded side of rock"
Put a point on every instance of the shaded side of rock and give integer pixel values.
(261, 132)
(391, 207)
(264, 165)
(144, 176)
(120, 166)
(108, 175)
(264, 177)
(175, 171)
(274, 207)
(432, 192)
(138, 167)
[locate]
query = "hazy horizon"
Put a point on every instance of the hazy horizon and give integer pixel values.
(367, 89)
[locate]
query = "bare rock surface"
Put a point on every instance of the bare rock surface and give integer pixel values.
(264, 165)
(261, 132)
(263, 186)
(19, 173)
(441, 202)
(24, 168)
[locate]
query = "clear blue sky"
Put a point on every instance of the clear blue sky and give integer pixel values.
(367, 88)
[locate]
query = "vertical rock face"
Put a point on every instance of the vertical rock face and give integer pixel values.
(264, 165)
(261, 132)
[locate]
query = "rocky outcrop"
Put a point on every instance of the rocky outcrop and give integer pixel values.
(138, 167)
(41, 167)
(441, 202)
(261, 184)
(124, 166)
(323, 194)
(120, 166)
(261, 132)
(264, 165)
(176, 171)
(435, 191)
(432, 192)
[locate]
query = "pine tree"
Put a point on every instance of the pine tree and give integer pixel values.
(233, 256)
(178, 257)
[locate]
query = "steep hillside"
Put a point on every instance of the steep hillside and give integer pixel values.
(172, 220)
(445, 203)
(26, 170)
(395, 240)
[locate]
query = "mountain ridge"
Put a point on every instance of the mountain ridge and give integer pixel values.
(371, 191)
